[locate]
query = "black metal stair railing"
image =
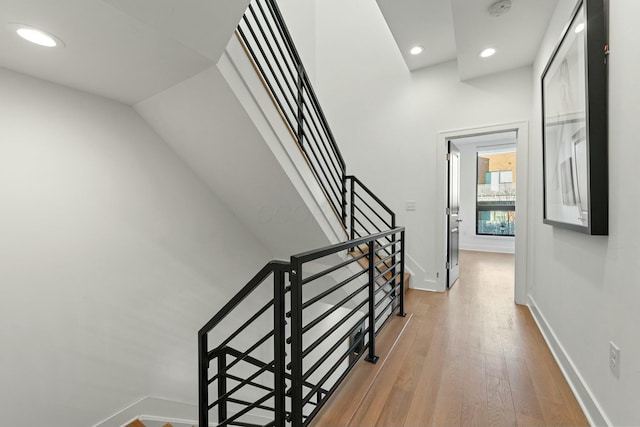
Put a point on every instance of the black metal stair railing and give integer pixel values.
(301, 332)
(268, 42)
(266, 372)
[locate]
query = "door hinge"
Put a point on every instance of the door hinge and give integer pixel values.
(448, 266)
(448, 156)
(448, 211)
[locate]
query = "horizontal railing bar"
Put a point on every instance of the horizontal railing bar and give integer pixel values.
(258, 63)
(323, 119)
(315, 156)
(229, 421)
(331, 371)
(332, 289)
(364, 228)
(387, 245)
(332, 249)
(371, 209)
(377, 330)
(329, 312)
(373, 196)
(323, 164)
(324, 125)
(381, 287)
(330, 332)
(314, 122)
(391, 294)
(243, 383)
(367, 218)
(251, 383)
(273, 55)
(332, 269)
(240, 424)
(334, 328)
(382, 312)
(219, 350)
(246, 324)
(334, 347)
(269, 268)
(333, 389)
(243, 356)
(278, 45)
(384, 260)
(243, 402)
(284, 32)
(324, 153)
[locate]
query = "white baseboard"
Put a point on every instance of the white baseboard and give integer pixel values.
(592, 409)
(158, 406)
(425, 285)
(158, 409)
(486, 248)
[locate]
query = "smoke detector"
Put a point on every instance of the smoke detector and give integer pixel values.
(499, 8)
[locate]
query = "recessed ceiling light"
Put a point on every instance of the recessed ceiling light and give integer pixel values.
(487, 52)
(579, 28)
(39, 37)
(416, 50)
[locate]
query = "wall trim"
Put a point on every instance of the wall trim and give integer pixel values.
(163, 409)
(160, 406)
(587, 401)
(486, 248)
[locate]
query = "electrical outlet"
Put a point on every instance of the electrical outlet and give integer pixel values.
(614, 359)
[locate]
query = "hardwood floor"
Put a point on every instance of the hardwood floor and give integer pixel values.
(467, 357)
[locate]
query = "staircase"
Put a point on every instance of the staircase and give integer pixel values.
(281, 347)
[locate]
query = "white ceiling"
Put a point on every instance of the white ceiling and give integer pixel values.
(461, 29)
(127, 50)
(130, 50)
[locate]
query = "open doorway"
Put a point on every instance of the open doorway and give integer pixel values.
(481, 190)
(478, 206)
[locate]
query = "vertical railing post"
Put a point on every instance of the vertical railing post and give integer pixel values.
(222, 385)
(401, 312)
(300, 87)
(279, 386)
(394, 294)
(203, 380)
(371, 357)
(296, 342)
(352, 213)
(344, 199)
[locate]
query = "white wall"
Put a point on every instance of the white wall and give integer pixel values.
(385, 117)
(586, 287)
(300, 17)
(113, 255)
(469, 240)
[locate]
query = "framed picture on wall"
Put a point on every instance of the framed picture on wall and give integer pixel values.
(575, 117)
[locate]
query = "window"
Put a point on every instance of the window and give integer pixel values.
(496, 192)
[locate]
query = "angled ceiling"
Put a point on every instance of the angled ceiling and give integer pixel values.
(461, 29)
(126, 50)
(129, 50)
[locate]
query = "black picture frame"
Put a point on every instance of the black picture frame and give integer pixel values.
(575, 124)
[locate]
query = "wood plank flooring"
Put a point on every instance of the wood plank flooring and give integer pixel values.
(467, 357)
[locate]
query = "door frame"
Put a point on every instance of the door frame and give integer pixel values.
(522, 205)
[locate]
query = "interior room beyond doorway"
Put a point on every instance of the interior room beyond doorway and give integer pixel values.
(488, 180)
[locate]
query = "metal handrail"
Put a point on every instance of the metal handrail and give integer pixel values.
(267, 41)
